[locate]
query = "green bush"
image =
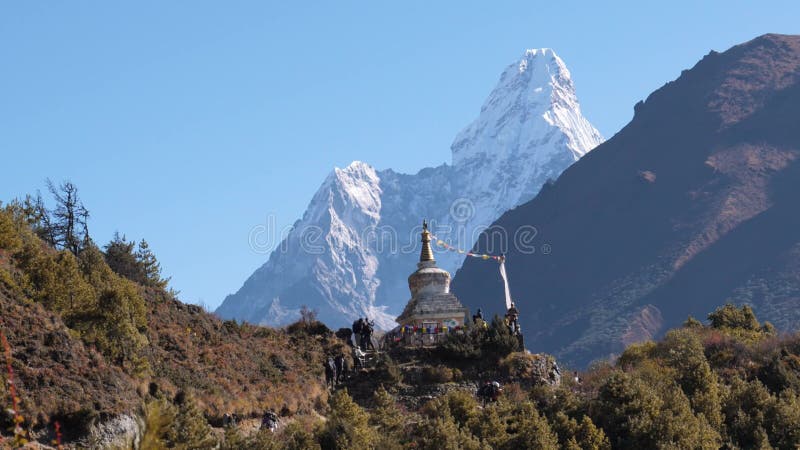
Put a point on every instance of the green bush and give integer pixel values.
(347, 426)
(437, 374)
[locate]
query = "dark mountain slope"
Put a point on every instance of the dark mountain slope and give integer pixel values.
(690, 205)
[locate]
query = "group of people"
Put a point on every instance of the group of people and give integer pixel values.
(268, 422)
(363, 329)
(511, 319)
(335, 370)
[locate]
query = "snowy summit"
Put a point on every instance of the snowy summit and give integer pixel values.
(350, 254)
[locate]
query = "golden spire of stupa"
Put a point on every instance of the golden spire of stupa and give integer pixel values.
(426, 254)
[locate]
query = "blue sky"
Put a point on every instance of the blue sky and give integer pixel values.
(188, 123)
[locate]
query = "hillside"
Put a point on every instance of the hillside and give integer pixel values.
(690, 205)
(95, 351)
(100, 361)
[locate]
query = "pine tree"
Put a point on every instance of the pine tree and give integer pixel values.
(70, 217)
(442, 433)
(295, 437)
(386, 416)
(731, 317)
(589, 437)
(348, 425)
(489, 427)
(159, 417)
(121, 258)
(530, 430)
(190, 430)
(683, 351)
(149, 266)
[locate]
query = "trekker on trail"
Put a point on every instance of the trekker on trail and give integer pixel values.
(477, 316)
(358, 325)
(512, 316)
(330, 372)
(348, 336)
(229, 420)
(360, 358)
(339, 366)
(366, 335)
(269, 421)
(489, 392)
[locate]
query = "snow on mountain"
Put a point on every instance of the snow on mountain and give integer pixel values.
(351, 253)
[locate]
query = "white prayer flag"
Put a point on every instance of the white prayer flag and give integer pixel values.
(505, 282)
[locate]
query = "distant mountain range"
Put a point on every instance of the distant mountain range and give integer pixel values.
(350, 254)
(692, 204)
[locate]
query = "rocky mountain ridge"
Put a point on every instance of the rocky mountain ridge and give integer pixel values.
(691, 205)
(350, 253)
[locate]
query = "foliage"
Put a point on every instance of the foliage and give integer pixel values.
(437, 374)
(308, 324)
(296, 437)
(67, 224)
(88, 326)
(386, 417)
(387, 370)
(189, 429)
(487, 343)
(442, 433)
(529, 367)
(106, 310)
(739, 322)
(159, 415)
(347, 425)
(87, 340)
(531, 430)
(136, 264)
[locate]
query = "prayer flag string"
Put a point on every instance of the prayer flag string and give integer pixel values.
(446, 246)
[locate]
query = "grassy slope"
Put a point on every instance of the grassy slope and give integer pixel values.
(224, 366)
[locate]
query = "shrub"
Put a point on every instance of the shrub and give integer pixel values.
(189, 430)
(347, 425)
(526, 366)
(386, 416)
(437, 374)
(387, 370)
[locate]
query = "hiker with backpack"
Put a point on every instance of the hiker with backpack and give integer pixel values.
(269, 421)
(330, 372)
(339, 364)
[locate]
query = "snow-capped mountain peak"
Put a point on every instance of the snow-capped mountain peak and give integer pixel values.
(350, 254)
(538, 86)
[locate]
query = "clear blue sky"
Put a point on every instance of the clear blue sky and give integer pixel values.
(189, 122)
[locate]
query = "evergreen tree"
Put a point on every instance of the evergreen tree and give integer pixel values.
(295, 437)
(158, 418)
(386, 416)
(190, 430)
(69, 227)
(149, 266)
(589, 437)
(732, 318)
(529, 430)
(627, 409)
(120, 256)
(683, 351)
(442, 433)
(785, 423)
(746, 413)
(487, 426)
(347, 426)
(499, 340)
